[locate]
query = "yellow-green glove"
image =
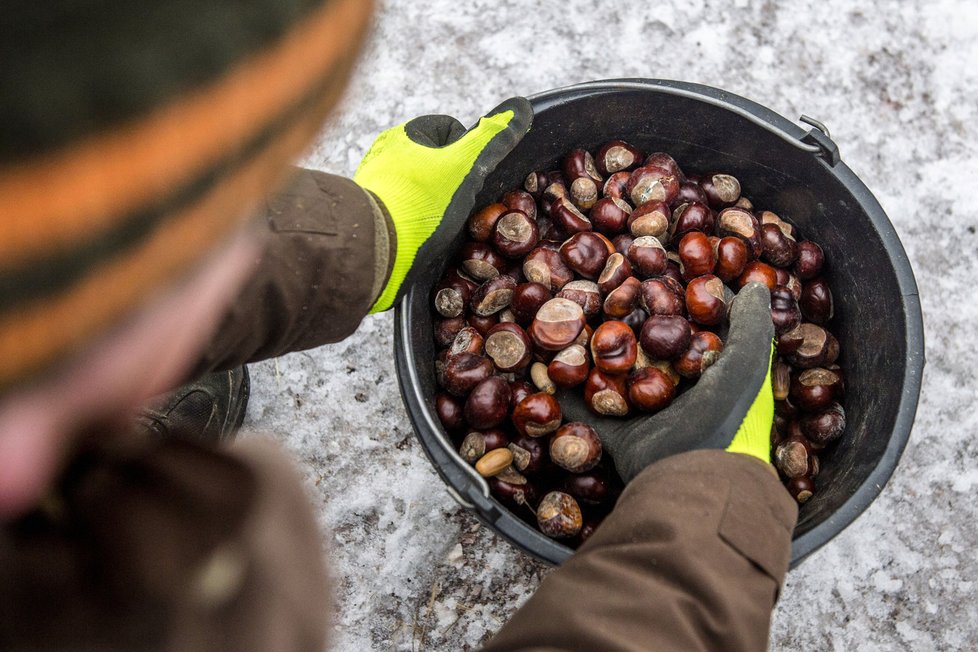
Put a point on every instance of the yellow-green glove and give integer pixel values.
(427, 173)
(731, 407)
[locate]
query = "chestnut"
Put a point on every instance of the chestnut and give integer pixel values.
(468, 340)
(494, 462)
(515, 234)
(530, 454)
(704, 349)
(570, 367)
(652, 183)
(579, 163)
(666, 162)
(690, 191)
(636, 317)
(809, 345)
(483, 324)
(557, 324)
(615, 156)
(584, 193)
(810, 260)
(527, 300)
(585, 253)
(476, 444)
(622, 301)
(692, 216)
(826, 426)
(452, 294)
(665, 337)
(706, 300)
(609, 215)
(791, 457)
(801, 488)
(696, 255)
(814, 389)
(575, 447)
(521, 201)
(784, 310)
(738, 223)
(758, 272)
(546, 267)
(519, 389)
(731, 256)
(445, 330)
(537, 415)
(482, 223)
(662, 296)
(586, 294)
(650, 218)
(488, 403)
(591, 488)
(721, 189)
(535, 182)
(616, 185)
(770, 217)
(778, 248)
(816, 301)
(515, 491)
(508, 346)
(449, 411)
(568, 217)
(614, 347)
(606, 393)
(559, 516)
(480, 261)
(464, 371)
(622, 242)
(647, 257)
(745, 203)
(616, 270)
(492, 296)
(650, 389)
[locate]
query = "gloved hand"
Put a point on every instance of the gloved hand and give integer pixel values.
(427, 173)
(731, 407)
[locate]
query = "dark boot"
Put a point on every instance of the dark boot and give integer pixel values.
(207, 411)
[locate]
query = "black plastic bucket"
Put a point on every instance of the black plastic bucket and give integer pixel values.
(795, 172)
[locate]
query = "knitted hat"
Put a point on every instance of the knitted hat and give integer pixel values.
(134, 137)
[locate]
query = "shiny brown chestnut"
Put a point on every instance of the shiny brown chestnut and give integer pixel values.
(721, 189)
(537, 415)
(557, 324)
(810, 260)
(585, 253)
(614, 347)
(545, 266)
(622, 301)
(519, 389)
(615, 156)
(468, 340)
(706, 300)
(559, 516)
(647, 257)
(692, 216)
(509, 347)
(809, 345)
(778, 248)
(482, 223)
(464, 371)
(651, 218)
(740, 223)
(826, 426)
(815, 389)
(801, 488)
(492, 296)
(606, 393)
(784, 310)
(609, 215)
(663, 295)
(535, 182)
(584, 193)
(792, 458)
(568, 217)
(704, 349)
(487, 405)
(477, 443)
(652, 183)
(696, 255)
(666, 162)
(732, 256)
(575, 447)
(449, 411)
(622, 242)
(530, 454)
(590, 488)
(482, 324)
(586, 294)
(758, 272)
(616, 270)
(452, 294)
(527, 300)
(522, 201)
(579, 163)
(816, 301)
(650, 389)
(770, 217)
(516, 491)
(616, 185)
(480, 261)
(665, 337)
(515, 234)
(445, 330)
(690, 191)
(570, 367)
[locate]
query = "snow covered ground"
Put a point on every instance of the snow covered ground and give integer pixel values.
(896, 82)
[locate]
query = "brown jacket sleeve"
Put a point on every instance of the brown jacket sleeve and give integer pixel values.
(328, 253)
(692, 558)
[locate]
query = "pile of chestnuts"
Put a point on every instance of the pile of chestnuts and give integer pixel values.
(615, 274)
